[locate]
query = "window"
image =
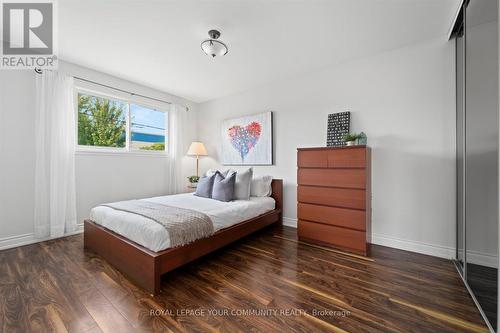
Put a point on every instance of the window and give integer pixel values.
(119, 125)
(101, 121)
(147, 128)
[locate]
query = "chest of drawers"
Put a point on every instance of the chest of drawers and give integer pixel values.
(334, 197)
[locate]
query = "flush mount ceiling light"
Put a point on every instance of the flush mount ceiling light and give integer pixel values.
(212, 46)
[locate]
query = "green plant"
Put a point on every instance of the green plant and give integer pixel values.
(155, 146)
(193, 179)
(350, 137)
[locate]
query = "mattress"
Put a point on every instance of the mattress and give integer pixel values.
(154, 236)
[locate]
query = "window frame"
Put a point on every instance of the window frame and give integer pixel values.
(128, 100)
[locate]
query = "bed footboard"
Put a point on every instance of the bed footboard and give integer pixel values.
(134, 261)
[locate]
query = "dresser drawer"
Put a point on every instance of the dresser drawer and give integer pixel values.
(347, 158)
(350, 178)
(312, 159)
(335, 236)
(338, 197)
(341, 217)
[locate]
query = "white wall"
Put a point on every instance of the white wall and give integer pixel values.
(99, 177)
(404, 100)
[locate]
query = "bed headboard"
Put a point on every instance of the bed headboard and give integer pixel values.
(277, 187)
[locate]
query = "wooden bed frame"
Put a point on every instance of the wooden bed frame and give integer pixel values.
(145, 267)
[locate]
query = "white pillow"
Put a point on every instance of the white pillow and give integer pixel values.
(243, 184)
(211, 172)
(261, 186)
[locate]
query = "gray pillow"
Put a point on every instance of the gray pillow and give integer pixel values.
(213, 171)
(242, 185)
(205, 186)
(223, 189)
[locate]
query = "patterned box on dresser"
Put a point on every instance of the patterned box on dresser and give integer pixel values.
(334, 197)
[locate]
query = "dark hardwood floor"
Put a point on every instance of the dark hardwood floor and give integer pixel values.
(56, 286)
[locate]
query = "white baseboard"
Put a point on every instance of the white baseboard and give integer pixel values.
(446, 252)
(474, 257)
(289, 222)
(414, 246)
(26, 239)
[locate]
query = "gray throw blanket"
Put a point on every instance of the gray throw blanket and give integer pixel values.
(183, 225)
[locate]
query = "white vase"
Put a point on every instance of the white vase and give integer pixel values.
(351, 143)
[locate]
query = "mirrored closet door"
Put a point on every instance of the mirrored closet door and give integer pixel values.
(476, 36)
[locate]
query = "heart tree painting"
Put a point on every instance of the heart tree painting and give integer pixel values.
(245, 138)
(248, 140)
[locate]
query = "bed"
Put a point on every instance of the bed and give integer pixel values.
(141, 251)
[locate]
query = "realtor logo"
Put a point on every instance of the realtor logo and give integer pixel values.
(28, 35)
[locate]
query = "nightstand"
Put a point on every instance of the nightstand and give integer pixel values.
(190, 188)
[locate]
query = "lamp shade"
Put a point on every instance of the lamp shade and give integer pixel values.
(212, 46)
(197, 149)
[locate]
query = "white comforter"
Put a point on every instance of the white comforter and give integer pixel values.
(155, 237)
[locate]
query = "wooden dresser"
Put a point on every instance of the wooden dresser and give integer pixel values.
(334, 197)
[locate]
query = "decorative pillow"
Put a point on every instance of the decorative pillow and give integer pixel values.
(205, 186)
(242, 185)
(261, 186)
(223, 189)
(211, 172)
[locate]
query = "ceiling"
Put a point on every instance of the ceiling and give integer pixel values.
(157, 43)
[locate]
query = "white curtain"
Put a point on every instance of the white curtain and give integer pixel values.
(55, 206)
(177, 148)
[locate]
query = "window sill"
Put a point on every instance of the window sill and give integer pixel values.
(96, 152)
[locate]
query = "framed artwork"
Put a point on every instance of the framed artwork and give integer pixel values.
(338, 126)
(248, 140)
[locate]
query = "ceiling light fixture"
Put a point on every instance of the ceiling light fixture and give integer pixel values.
(212, 46)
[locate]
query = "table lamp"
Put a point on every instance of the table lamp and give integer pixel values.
(197, 149)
